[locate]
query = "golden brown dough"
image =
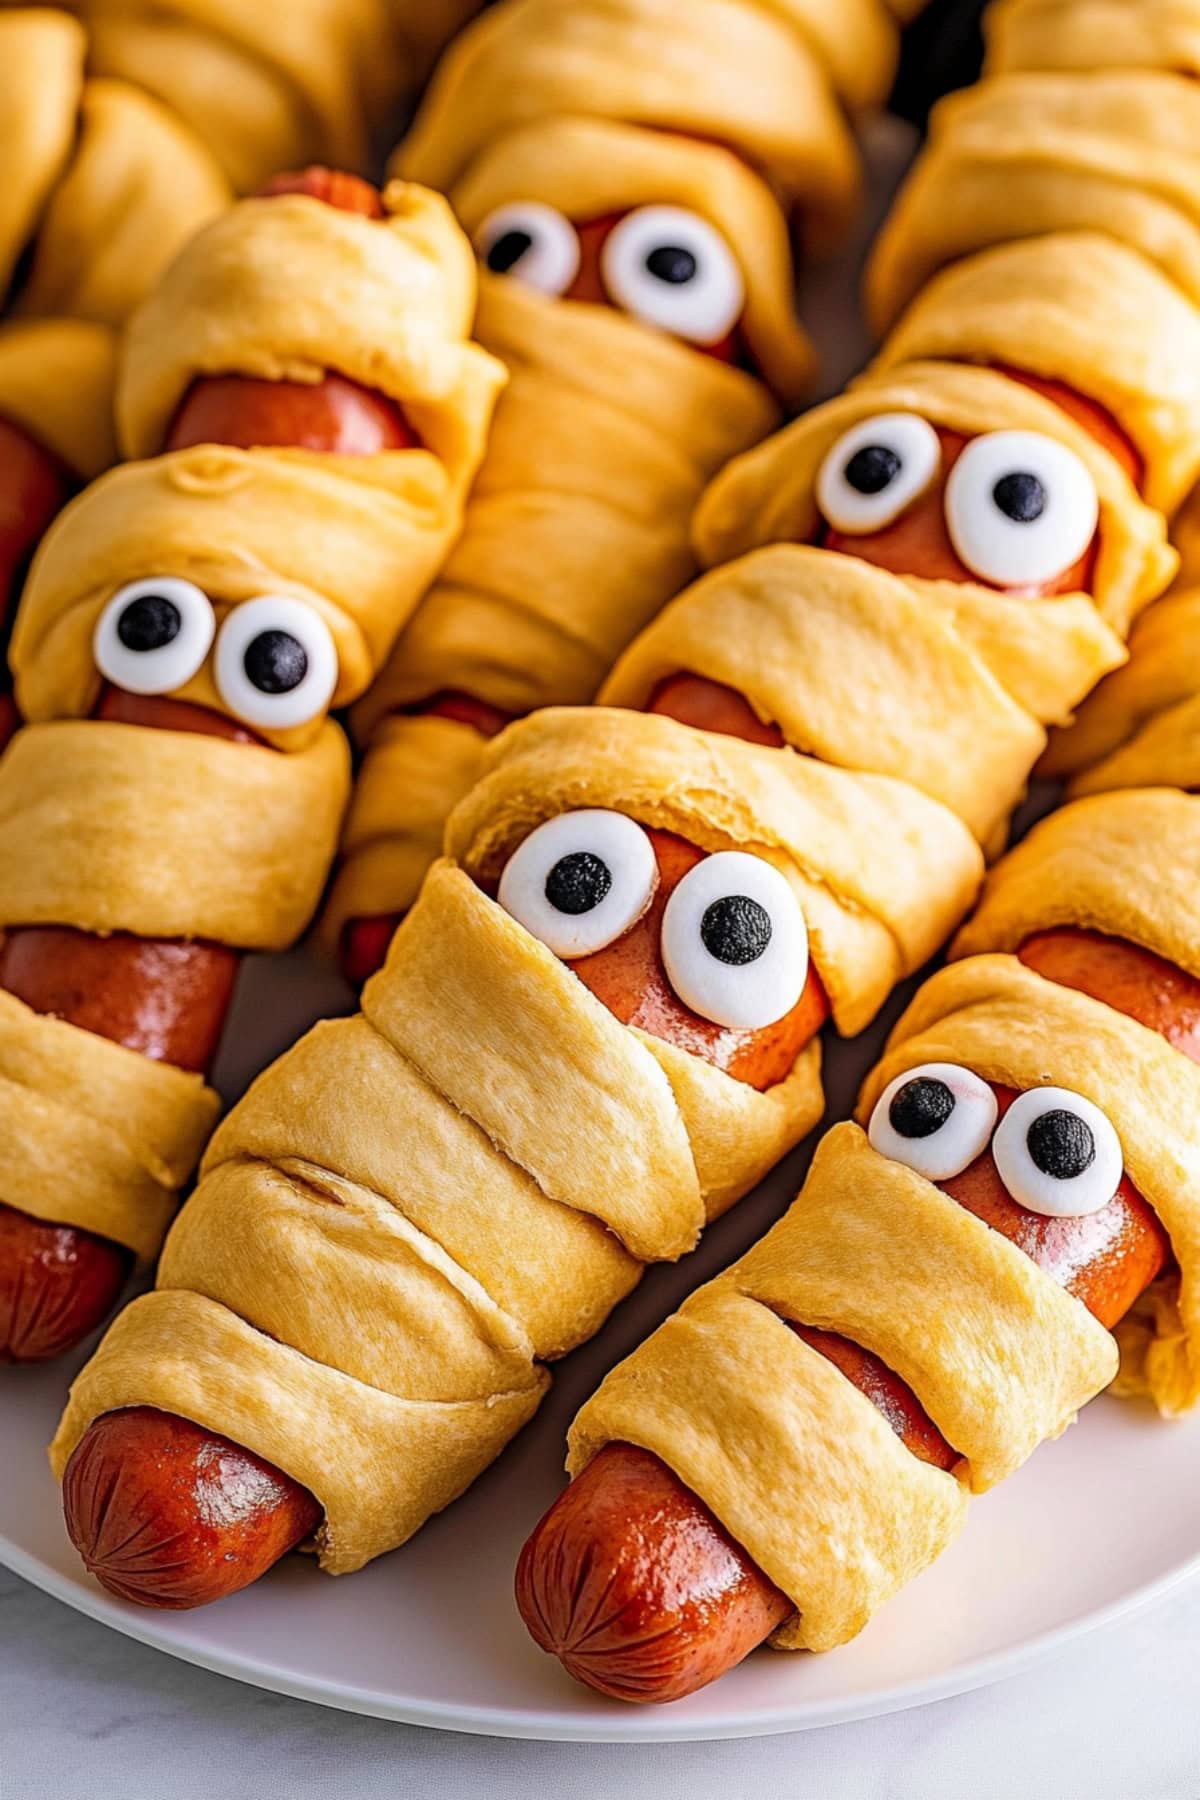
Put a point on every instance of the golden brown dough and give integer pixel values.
(1094, 34)
(494, 1207)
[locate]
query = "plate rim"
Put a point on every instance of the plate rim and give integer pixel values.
(630, 1725)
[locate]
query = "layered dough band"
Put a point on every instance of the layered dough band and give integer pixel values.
(772, 92)
(416, 1207)
(1094, 34)
(1046, 653)
(100, 185)
(576, 533)
(265, 93)
(56, 384)
(832, 1506)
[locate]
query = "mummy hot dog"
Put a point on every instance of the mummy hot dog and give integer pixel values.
(1028, 1145)
(101, 187)
(648, 920)
(179, 594)
(638, 282)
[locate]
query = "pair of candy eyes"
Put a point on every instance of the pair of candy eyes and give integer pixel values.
(1056, 1152)
(276, 664)
(734, 944)
(1020, 508)
(667, 266)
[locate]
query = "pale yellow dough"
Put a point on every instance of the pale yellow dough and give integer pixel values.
(1046, 653)
(576, 533)
(56, 383)
(99, 184)
(771, 90)
(1094, 34)
(390, 1236)
(266, 91)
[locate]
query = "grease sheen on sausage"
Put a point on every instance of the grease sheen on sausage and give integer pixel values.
(709, 1614)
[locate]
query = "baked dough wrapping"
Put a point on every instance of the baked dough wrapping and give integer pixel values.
(854, 667)
(56, 384)
(469, 1216)
(100, 184)
(772, 93)
(1047, 653)
(1032, 154)
(1126, 864)
(576, 533)
(1081, 308)
(1093, 34)
(267, 92)
(830, 1505)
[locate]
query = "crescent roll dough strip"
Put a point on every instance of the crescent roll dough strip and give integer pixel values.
(1080, 308)
(267, 94)
(1126, 864)
(378, 1463)
(287, 288)
(576, 533)
(1012, 1027)
(1093, 34)
(1046, 653)
(854, 667)
(389, 1221)
(770, 93)
(94, 1134)
(872, 917)
(56, 383)
(797, 1464)
(1141, 728)
(202, 838)
(1024, 155)
(41, 82)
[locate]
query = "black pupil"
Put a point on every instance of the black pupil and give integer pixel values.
(275, 662)
(872, 468)
(735, 929)
(578, 882)
(1061, 1144)
(149, 623)
(508, 250)
(921, 1107)
(1020, 497)
(672, 263)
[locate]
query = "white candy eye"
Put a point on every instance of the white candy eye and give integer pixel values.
(875, 470)
(935, 1119)
(532, 243)
(1020, 508)
(580, 881)
(276, 662)
(1058, 1154)
(734, 942)
(672, 269)
(153, 635)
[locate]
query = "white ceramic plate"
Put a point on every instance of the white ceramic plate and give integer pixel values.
(1102, 1520)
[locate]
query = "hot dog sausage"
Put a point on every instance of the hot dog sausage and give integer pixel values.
(164, 1000)
(35, 486)
(675, 1616)
(199, 1551)
(628, 976)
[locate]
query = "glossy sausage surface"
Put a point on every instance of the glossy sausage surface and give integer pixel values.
(706, 1623)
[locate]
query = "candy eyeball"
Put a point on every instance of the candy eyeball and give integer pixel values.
(579, 881)
(673, 270)
(876, 470)
(533, 243)
(154, 635)
(935, 1119)
(1020, 508)
(276, 663)
(1058, 1154)
(734, 942)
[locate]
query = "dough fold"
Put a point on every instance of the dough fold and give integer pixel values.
(1093, 34)
(416, 1207)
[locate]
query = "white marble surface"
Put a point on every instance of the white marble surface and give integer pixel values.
(88, 1715)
